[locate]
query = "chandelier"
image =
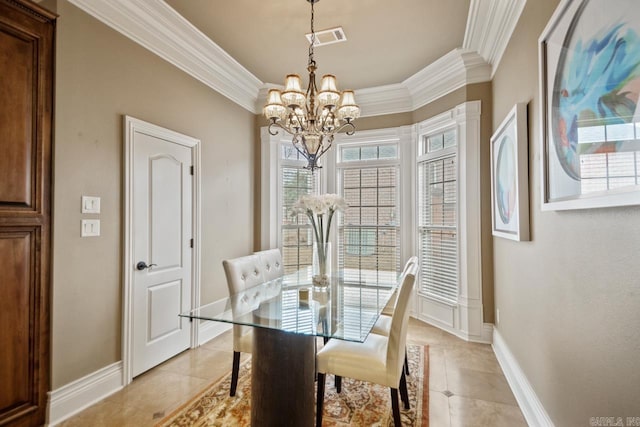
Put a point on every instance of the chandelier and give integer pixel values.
(312, 118)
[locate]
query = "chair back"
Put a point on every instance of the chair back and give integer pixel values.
(388, 309)
(271, 262)
(399, 324)
(243, 272)
(410, 262)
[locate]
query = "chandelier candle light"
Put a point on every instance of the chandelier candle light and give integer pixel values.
(312, 118)
(316, 207)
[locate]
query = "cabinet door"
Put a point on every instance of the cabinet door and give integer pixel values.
(26, 88)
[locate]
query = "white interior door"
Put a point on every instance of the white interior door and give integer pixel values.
(162, 235)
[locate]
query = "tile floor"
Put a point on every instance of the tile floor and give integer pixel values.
(467, 386)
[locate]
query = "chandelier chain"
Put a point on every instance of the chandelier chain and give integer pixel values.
(313, 38)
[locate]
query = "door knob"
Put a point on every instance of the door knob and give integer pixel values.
(143, 265)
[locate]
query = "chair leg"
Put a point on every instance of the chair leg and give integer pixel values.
(404, 393)
(319, 400)
(338, 383)
(234, 373)
(406, 363)
(395, 407)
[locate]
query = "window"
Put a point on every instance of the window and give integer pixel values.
(296, 232)
(369, 230)
(448, 222)
(437, 223)
(411, 190)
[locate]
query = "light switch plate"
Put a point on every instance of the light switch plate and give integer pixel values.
(90, 228)
(90, 204)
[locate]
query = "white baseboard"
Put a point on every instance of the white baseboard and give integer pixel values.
(210, 330)
(487, 333)
(532, 409)
(72, 398)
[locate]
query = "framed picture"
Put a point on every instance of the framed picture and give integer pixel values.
(589, 57)
(509, 176)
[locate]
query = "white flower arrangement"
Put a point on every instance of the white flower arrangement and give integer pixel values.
(316, 207)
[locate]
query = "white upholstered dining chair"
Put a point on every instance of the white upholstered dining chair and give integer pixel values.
(271, 260)
(379, 359)
(383, 324)
(242, 273)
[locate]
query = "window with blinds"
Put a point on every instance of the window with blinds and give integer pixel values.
(437, 216)
(601, 170)
(369, 229)
(297, 234)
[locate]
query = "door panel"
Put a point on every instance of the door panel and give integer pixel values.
(162, 230)
(17, 61)
(164, 298)
(165, 216)
(16, 249)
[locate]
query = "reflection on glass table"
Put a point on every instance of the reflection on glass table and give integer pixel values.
(346, 309)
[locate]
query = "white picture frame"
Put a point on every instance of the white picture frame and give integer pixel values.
(510, 176)
(583, 132)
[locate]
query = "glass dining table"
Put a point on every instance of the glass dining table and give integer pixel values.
(288, 314)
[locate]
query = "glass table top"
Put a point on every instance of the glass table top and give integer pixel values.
(346, 309)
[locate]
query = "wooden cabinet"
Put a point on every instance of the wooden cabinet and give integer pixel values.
(27, 35)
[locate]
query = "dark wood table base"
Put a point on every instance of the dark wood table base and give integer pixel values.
(282, 378)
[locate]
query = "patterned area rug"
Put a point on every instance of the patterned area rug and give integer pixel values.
(359, 403)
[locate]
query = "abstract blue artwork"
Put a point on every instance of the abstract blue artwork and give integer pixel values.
(590, 70)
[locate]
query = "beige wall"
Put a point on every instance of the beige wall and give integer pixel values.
(101, 76)
(569, 299)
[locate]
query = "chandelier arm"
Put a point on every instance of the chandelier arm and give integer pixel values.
(324, 150)
(345, 126)
(296, 144)
(275, 124)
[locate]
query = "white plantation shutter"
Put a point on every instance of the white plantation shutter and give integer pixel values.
(437, 217)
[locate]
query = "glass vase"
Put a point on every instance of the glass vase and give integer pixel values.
(321, 264)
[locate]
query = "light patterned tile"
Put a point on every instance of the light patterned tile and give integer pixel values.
(439, 410)
(477, 358)
(109, 414)
(473, 412)
(480, 385)
(201, 363)
(158, 391)
(437, 369)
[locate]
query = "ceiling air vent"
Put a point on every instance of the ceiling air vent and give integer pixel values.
(330, 36)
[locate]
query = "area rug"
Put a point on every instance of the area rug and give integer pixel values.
(359, 404)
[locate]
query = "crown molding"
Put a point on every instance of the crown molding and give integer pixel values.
(489, 28)
(159, 28)
(389, 99)
(454, 70)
